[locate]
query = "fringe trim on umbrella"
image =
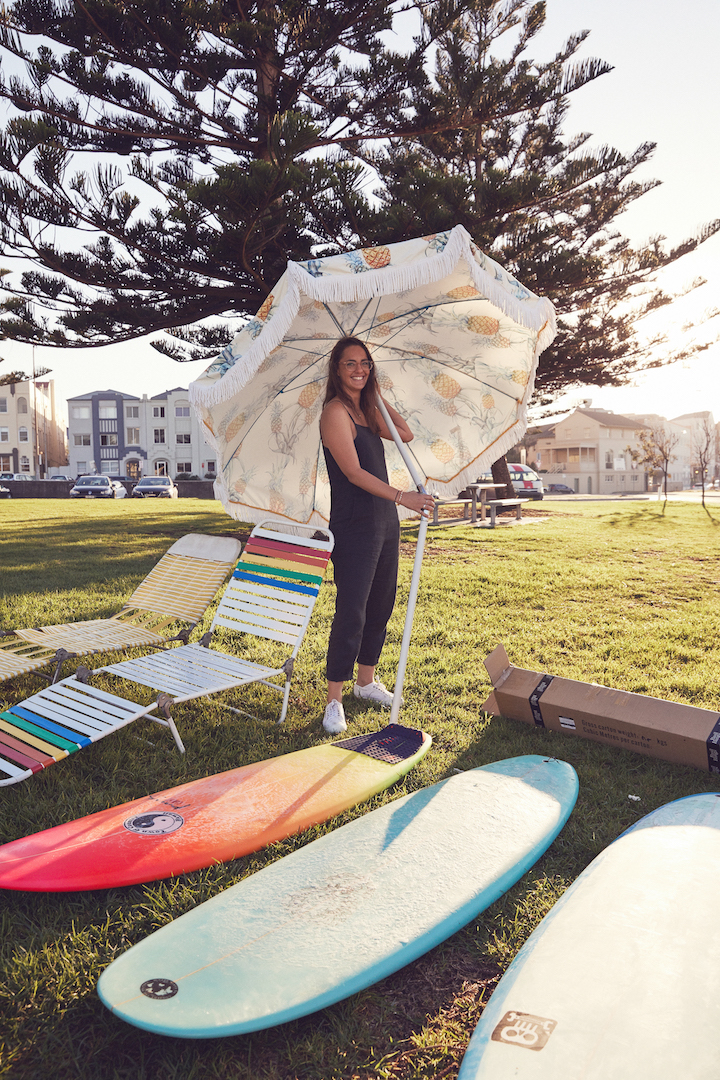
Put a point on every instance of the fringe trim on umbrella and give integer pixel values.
(526, 308)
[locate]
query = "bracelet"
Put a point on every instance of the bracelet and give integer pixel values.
(398, 497)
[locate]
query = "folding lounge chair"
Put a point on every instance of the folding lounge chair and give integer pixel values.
(271, 595)
(178, 589)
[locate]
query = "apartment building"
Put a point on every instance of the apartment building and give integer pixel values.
(124, 435)
(591, 450)
(32, 428)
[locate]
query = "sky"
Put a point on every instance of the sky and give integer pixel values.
(665, 88)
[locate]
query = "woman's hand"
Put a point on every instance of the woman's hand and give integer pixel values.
(416, 500)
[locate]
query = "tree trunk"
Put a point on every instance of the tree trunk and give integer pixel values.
(501, 475)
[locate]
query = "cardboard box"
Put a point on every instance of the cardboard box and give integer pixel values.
(662, 729)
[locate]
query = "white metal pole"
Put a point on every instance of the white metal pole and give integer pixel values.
(417, 565)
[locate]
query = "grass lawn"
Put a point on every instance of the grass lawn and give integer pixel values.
(614, 593)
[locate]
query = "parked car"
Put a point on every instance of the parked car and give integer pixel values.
(61, 476)
(16, 476)
(120, 489)
(94, 487)
(155, 487)
(559, 489)
(5, 493)
(525, 480)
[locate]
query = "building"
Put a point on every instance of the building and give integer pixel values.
(32, 428)
(591, 450)
(686, 432)
(123, 435)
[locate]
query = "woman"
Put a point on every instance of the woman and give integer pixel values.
(365, 523)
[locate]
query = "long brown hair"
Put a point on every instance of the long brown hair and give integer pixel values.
(368, 394)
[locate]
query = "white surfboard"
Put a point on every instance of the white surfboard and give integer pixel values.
(346, 910)
(621, 980)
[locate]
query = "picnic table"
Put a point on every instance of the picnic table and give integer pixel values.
(478, 496)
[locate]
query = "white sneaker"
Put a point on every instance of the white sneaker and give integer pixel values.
(375, 692)
(334, 718)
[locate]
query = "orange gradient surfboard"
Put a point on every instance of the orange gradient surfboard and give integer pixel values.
(211, 820)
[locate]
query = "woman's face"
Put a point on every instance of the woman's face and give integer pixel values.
(353, 369)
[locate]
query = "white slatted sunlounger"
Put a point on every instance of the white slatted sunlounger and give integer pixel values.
(178, 589)
(271, 595)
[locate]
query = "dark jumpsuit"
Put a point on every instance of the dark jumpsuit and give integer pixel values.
(365, 561)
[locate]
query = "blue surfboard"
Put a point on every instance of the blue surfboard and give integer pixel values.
(621, 980)
(348, 909)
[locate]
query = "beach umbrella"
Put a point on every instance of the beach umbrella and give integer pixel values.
(455, 339)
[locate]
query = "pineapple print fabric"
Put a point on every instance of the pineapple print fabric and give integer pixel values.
(455, 340)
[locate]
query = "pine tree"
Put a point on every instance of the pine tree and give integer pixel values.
(215, 133)
(161, 162)
(541, 203)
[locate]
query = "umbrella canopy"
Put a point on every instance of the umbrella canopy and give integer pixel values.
(455, 340)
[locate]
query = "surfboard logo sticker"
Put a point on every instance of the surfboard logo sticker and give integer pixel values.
(154, 823)
(524, 1029)
(159, 989)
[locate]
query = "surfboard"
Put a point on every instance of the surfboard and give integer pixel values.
(621, 980)
(346, 910)
(213, 819)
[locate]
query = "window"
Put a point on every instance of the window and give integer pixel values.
(560, 457)
(608, 459)
(159, 435)
(5, 436)
(24, 464)
(161, 468)
(182, 439)
(184, 466)
(23, 434)
(107, 410)
(108, 440)
(5, 465)
(182, 410)
(132, 412)
(81, 440)
(3, 408)
(133, 436)
(81, 412)
(82, 466)
(211, 466)
(21, 405)
(159, 410)
(609, 478)
(587, 453)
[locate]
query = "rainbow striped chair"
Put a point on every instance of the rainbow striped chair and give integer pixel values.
(271, 595)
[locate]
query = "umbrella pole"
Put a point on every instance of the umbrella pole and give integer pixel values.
(417, 565)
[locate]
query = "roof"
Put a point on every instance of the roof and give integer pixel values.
(706, 415)
(166, 393)
(608, 419)
(103, 393)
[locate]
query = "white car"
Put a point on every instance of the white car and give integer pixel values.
(155, 487)
(525, 480)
